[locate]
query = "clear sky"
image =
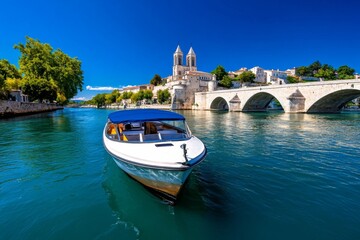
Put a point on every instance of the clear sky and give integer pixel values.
(123, 43)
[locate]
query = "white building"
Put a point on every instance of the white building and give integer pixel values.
(259, 73)
(186, 80)
(18, 96)
(275, 76)
(291, 71)
(236, 73)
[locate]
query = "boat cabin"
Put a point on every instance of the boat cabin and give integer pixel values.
(148, 131)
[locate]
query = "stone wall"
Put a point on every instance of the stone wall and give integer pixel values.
(13, 108)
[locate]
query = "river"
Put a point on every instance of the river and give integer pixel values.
(267, 176)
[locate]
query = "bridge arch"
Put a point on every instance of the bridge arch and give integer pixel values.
(259, 102)
(219, 103)
(334, 101)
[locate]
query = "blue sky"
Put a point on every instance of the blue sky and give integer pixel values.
(123, 43)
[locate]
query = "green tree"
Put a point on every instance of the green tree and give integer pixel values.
(99, 100)
(135, 97)
(226, 82)
(345, 72)
(220, 72)
(8, 70)
(127, 95)
(13, 83)
(247, 76)
(8, 75)
(39, 61)
(67, 74)
(314, 68)
(291, 79)
(303, 71)
(40, 89)
(163, 96)
(327, 72)
(148, 94)
(109, 99)
(156, 80)
(119, 98)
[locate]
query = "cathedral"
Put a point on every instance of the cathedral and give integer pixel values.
(178, 68)
(186, 80)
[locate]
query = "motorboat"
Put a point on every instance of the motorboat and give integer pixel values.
(154, 147)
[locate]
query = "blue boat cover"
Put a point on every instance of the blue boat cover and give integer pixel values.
(136, 115)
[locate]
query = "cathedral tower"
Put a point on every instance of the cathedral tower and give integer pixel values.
(191, 60)
(178, 68)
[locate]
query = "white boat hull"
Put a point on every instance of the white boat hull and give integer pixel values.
(169, 182)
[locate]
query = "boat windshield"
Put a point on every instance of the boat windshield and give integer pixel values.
(150, 131)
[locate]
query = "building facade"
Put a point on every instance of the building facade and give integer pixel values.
(275, 76)
(186, 80)
(259, 73)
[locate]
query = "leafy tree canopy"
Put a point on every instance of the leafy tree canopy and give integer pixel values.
(345, 72)
(10, 78)
(40, 89)
(38, 61)
(127, 95)
(148, 94)
(220, 72)
(156, 80)
(8, 70)
(325, 71)
(99, 100)
(291, 79)
(226, 82)
(247, 76)
(163, 96)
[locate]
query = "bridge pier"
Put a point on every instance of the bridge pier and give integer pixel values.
(235, 104)
(296, 103)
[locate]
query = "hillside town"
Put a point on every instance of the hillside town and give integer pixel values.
(186, 80)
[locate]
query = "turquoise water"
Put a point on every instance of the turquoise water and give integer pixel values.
(266, 176)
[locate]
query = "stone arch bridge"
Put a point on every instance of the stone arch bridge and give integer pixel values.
(317, 97)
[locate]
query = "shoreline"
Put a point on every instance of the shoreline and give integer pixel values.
(131, 106)
(10, 109)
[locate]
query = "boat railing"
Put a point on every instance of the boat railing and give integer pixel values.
(139, 135)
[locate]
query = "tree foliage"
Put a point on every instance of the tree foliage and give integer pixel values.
(325, 71)
(126, 95)
(225, 82)
(220, 72)
(292, 79)
(156, 80)
(99, 100)
(247, 76)
(39, 62)
(8, 70)
(40, 89)
(163, 96)
(345, 72)
(148, 94)
(10, 78)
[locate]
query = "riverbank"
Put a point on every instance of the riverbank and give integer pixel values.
(13, 108)
(132, 106)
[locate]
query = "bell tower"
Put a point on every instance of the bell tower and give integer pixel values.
(178, 62)
(191, 60)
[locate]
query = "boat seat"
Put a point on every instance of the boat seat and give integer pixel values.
(168, 131)
(132, 138)
(133, 132)
(151, 137)
(175, 136)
